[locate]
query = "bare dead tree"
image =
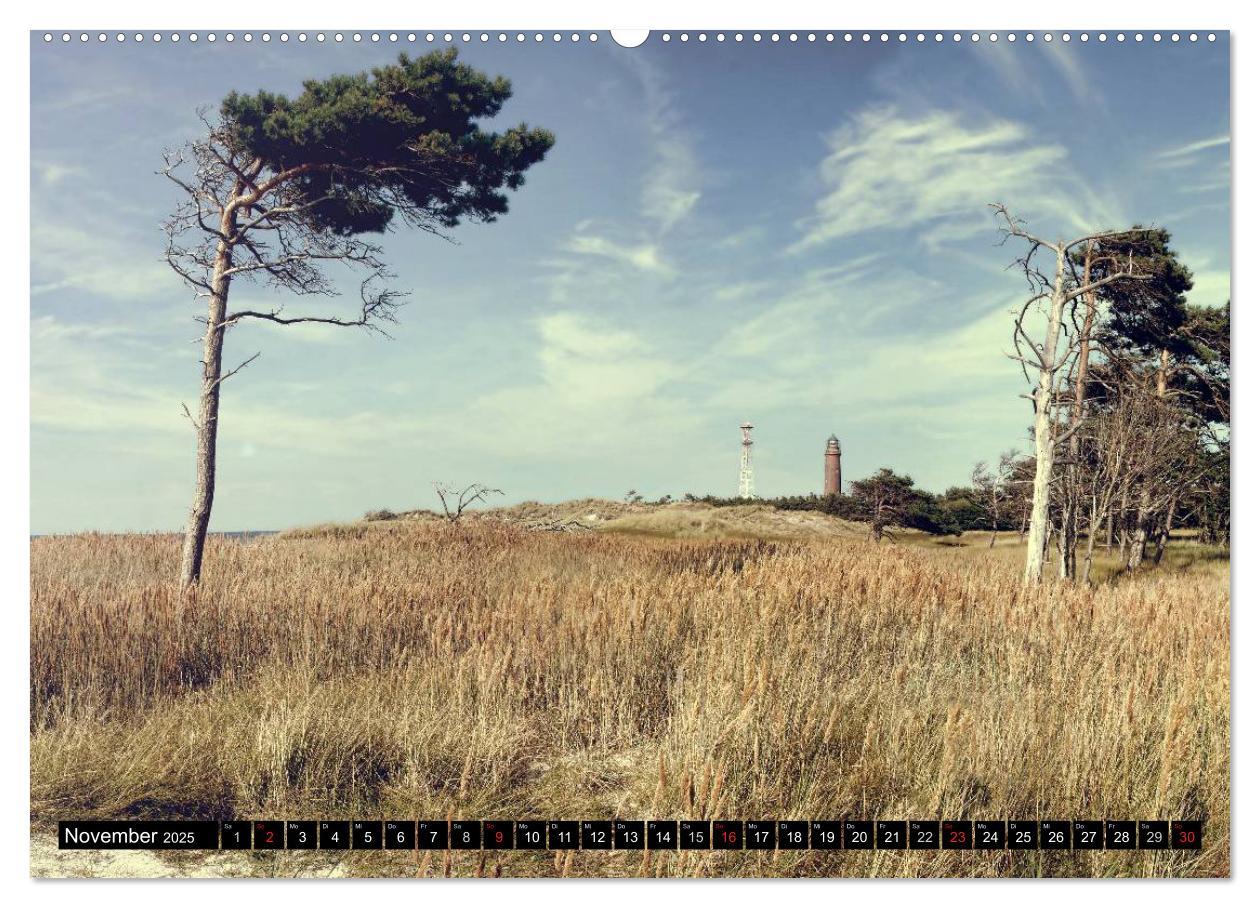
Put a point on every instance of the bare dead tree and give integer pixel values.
(1053, 295)
(992, 488)
(455, 500)
(1114, 447)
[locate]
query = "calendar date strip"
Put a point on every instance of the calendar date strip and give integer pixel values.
(632, 835)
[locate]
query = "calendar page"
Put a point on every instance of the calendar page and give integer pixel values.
(577, 453)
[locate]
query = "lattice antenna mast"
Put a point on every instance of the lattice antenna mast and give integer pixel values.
(745, 462)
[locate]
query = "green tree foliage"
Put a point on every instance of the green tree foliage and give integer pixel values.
(1143, 317)
(961, 509)
(888, 499)
(1202, 383)
(403, 140)
(1205, 368)
(1158, 402)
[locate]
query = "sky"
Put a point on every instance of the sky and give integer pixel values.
(790, 234)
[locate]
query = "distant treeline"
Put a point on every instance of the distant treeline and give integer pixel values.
(889, 499)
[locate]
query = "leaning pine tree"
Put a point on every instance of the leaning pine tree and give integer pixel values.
(278, 190)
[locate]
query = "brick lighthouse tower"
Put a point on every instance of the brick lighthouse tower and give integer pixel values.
(831, 467)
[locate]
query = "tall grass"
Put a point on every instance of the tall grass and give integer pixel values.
(407, 670)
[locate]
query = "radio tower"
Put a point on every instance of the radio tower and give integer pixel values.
(745, 462)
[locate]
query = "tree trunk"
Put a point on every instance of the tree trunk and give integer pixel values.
(994, 514)
(1039, 516)
(1145, 515)
(1071, 505)
(1122, 532)
(1161, 541)
(1070, 533)
(1141, 533)
(207, 421)
(1092, 534)
(1043, 435)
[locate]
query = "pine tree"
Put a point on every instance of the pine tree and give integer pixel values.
(279, 188)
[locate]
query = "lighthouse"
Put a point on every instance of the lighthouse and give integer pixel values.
(831, 467)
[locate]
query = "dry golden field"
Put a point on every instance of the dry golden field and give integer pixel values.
(412, 669)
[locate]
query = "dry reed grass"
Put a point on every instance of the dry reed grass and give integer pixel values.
(421, 670)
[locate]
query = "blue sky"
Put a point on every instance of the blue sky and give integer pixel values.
(791, 234)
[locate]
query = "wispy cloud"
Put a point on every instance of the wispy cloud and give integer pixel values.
(667, 198)
(954, 385)
(1003, 58)
(934, 173)
(96, 377)
(670, 186)
(1184, 155)
(641, 256)
(52, 174)
(587, 362)
(597, 384)
(1070, 66)
(116, 385)
(99, 261)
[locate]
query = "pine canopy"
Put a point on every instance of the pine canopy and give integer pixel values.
(403, 139)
